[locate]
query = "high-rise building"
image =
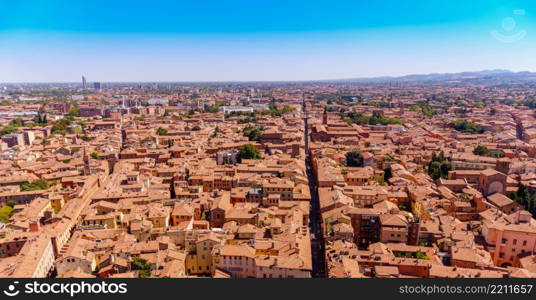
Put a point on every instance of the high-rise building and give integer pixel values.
(96, 85)
(83, 82)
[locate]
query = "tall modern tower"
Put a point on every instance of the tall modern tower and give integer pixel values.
(83, 82)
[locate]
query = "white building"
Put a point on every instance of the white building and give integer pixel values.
(230, 109)
(158, 101)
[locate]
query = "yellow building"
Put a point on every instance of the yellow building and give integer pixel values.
(200, 261)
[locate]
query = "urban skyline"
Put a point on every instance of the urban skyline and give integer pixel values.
(282, 139)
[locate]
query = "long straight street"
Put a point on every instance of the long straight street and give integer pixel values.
(315, 220)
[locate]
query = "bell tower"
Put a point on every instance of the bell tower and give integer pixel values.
(87, 170)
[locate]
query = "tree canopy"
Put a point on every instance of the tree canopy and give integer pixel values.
(142, 265)
(375, 119)
(248, 151)
(253, 133)
(5, 213)
(354, 158)
(439, 167)
(526, 198)
(161, 131)
(484, 151)
(39, 184)
(465, 126)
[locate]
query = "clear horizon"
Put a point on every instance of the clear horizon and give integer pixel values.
(239, 41)
(253, 81)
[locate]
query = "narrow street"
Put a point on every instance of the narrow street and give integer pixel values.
(315, 220)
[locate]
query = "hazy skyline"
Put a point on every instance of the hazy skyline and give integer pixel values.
(58, 41)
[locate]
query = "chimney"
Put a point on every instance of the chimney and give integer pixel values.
(162, 246)
(34, 226)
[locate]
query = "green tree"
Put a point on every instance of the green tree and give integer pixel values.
(465, 126)
(434, 170)
(142, 265)
(427, 110)
(481, 150)
(375, 119)
(60, 126)
(94, 155)
(484, 151)
(387, 174)
(161, 131)
(17, 122)
(421, 255)
(248, 151)
(253, 133)
(73, 112)
(5, 213)
(329, 226)
(39, 184)
(526, 198)
(439, 167)
(41, 119)
(248, 119)
(445, 168)
(215, 132)
(213, 108)
(8, 129)
(379, 179)
(354, 158)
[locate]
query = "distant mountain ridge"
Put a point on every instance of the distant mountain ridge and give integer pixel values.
(493, 77)
(484, 74)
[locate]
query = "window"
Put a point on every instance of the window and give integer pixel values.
(501, 254)
(514, 242)
(504, 241)
(524, 243)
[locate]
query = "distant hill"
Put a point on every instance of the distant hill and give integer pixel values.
(497, 75)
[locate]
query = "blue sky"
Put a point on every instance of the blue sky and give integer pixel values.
(225, 40)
